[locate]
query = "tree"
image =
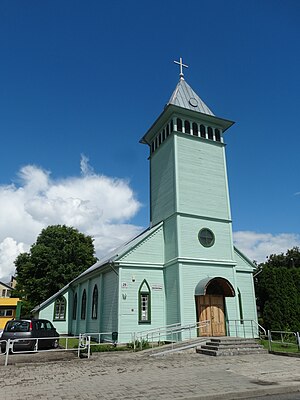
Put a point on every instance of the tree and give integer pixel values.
(278, 291)
(59, 255)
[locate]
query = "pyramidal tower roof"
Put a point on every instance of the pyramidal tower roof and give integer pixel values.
(184, 96)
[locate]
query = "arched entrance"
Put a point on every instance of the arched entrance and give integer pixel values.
(210, 296)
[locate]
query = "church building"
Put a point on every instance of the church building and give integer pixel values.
(183, 269)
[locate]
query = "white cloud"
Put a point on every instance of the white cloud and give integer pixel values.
(257, 246)
(9, 249)
(96, 205)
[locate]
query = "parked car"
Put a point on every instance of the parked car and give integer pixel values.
(30, 329)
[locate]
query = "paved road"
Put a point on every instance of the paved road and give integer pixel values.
(134, 376)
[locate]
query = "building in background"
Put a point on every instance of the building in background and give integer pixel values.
(10, 307)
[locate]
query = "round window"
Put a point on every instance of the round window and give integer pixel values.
(206, 237)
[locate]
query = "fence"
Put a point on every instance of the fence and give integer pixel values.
(283, 340)
(35, 345)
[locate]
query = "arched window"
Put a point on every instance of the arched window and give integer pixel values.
(95, 303)
(144, 303)
(179, 125)
(75, 306)
(195, 129)
(60, 309)
(202, 131)
(83, 305)
(187, 127)
(217, 135)
(210, 133)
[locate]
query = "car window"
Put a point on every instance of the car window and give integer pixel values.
(40, 325)
(49, 326)
(17, 326)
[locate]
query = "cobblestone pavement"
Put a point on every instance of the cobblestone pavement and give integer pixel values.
(124, 375)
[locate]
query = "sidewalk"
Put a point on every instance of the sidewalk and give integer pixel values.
(123, 375)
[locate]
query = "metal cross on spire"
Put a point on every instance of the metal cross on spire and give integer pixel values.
(181, 67)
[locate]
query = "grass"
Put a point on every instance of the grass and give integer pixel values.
(282, 347)
(72, 343)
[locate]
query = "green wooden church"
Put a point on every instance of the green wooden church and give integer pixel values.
(184, 269)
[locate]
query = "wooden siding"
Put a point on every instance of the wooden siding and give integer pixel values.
(201, 180)
(93, 325)
(151, 249)
(173, 295)
(109, 299)
(170, 238)
(242, 263)
(48, 313)
(244, 281)
(189, 245)
(130, 282)
(162, 181)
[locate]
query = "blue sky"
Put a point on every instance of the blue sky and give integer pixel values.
(82, 81)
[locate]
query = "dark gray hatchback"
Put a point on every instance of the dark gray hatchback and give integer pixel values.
(22, 329)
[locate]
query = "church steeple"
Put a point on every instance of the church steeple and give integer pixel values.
(186, 151)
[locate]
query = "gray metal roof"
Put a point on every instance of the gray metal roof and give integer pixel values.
(109, 258)
(184, 96)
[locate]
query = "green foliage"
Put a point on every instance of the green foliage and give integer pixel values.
(139, 345)
(107, 347)
(59, 255)
(278, 291)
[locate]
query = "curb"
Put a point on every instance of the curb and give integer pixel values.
(248, 394)
(284, 353)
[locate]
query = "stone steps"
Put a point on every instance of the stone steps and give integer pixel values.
(230, 346)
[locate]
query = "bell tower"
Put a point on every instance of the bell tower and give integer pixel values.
(188, 178)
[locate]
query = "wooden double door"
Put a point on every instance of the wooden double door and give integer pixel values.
(211, 308)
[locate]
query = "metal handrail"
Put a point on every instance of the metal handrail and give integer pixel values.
(241, 323)
(173, 332)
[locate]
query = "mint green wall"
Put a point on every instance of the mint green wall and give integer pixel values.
(150, 250)
(171, 238)
(173, 295)
(130, 281)
(48, 313)
(244, 281)
(93, 325)
(189, 245)
(109, 301)
(162, 181)
(201, 177)
(82, 323)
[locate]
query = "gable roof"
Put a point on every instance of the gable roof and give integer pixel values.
(246, 260)
(6, 285)
(185, 97)
(109, 258)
